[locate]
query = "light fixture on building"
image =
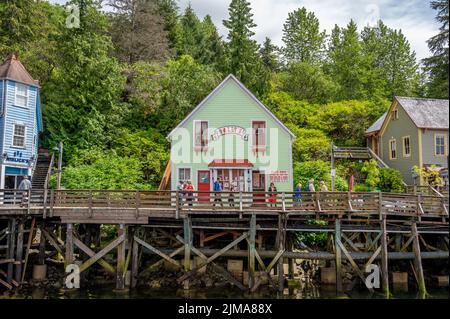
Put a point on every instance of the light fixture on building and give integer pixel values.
(4, 157)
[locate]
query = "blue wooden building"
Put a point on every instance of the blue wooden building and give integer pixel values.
(20, 122)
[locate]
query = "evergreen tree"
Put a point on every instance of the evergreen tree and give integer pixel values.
(437, 67)
(192, 40)
(269, 55)
(242, 51)
(138, 31)
(168, 9)
(302, 37)
(213, 51)
(347, 63)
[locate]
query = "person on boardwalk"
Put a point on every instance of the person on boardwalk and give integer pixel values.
(180, 189)
(217, 189)
(189, 190)
(323, 187)
(24, 185)
(231, 196)
(298, 194)
(311, 187)
(272, 195)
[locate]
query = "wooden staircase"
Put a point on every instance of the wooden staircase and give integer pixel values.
(165, 181)
(42, 170)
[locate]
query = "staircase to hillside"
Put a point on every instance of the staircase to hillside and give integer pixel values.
(165, 181)
(42, 170)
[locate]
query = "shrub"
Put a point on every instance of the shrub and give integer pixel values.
(390, 180)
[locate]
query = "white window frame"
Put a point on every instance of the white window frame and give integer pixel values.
(395, 115)
(16, 93)
(404, 138)
(263, 147)
(24, 136)
(391, 149)
(184, 168)
(440, 135)
(200, 147)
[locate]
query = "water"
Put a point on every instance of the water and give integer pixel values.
(306, 292)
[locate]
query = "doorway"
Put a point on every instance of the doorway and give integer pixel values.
(203, 184)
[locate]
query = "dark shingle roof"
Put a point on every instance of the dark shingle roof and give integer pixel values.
(12, 69)
(426, 113)
(376, 126)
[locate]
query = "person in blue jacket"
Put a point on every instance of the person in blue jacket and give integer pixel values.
(217, 189)
(298, 194)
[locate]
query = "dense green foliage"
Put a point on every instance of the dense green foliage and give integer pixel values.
(113, 87)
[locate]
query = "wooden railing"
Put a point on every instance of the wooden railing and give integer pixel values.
(370, 203)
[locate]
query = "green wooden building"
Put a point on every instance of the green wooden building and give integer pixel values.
(231, 135)
(413, 132)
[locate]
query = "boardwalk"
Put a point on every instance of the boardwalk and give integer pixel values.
(362, 227)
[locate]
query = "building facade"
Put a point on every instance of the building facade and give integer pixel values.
(413, 132)
(233, 137)
(20, 122)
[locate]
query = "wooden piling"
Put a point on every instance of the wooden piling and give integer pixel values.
(384, 258)
(19, 252)
(69, 258)
(251, 252)
(418, 260)
(281, 238)
(188, 240)
(11, 248)
(338, 257)
(134, 263)
(120, 278)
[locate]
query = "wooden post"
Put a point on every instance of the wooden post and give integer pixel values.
(10, 249)
(120, 278)
(384, 258)
(418, 260)
(332, 167)
(251, 252)
(41, 259)
(281, 244)
(134, 264)
(291, 260)
(337, 240)
(202, 238)
(69, 259)
(19, 252)
(187, 226)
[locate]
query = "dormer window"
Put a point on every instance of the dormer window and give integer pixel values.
(201, 135)
(21, 95)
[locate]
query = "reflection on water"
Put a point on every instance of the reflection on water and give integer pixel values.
(306, 292)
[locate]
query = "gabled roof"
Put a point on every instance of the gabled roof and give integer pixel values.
(12, 69)
(376, 126)
(426, 113)
(231, 77)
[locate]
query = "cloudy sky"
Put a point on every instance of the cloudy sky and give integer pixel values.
(414, 17)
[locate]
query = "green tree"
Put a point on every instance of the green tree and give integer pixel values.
(306, 81)
(192, 40)
(242, 51)
(370, 168)
(213, 49)
(391, 180)
(436, 66)
(302, 37)
(269, 55)
(137, 31)
(319, 171)
(168, 10)
(310, 144)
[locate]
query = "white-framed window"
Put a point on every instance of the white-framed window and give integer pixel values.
(406, 146)
(440, 144)
(200, 135)
(259, 135)
(184, 174)
(21, 95)
(395, 115)
(392, 149)
(19, 131)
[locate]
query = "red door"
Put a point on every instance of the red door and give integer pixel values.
(203, 184)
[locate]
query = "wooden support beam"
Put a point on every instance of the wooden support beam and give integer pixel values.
(120, 278)
(27, 252)
(187, 227)
(42, 241)
(282, 220)
(102, 253)
(134, 263)
(52, 241)
(157, 252)
(384, 258)
(418, 260)
(251, 252)
(338, 261)
(69, 256)
(213, 257)
(19, 251)
(110, 269)
(11, 248)
(218, 269)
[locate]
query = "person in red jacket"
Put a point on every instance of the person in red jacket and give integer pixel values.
(272, 195)
(189, 191)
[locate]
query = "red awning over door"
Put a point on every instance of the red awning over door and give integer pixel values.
(233, 163)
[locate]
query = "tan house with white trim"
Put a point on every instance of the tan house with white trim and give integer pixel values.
(413, 132)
